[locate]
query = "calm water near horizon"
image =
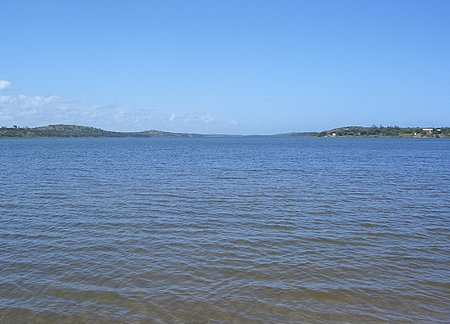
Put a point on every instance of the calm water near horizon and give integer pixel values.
(219, 230)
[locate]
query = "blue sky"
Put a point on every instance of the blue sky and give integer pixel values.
(225, 66)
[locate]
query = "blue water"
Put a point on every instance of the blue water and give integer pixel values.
(219, 230)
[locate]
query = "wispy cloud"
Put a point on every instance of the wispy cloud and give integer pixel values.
(4, 84)
(22, 101)
(33, 111)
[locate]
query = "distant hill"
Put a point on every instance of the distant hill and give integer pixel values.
(81, 131)
(389, 131)
(61, 130)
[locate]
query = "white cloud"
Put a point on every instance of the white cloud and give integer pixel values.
(22, 101)
(4, 84)
(34, 111)
(31, 110)
(207, 118)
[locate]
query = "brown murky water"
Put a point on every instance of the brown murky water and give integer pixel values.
(219, 230)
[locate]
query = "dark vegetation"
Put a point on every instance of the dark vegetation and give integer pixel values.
(79, 131)
(392, 131)
(351, 131)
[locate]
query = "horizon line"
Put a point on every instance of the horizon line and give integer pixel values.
(16, 126)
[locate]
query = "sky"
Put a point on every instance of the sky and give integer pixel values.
(241, 67)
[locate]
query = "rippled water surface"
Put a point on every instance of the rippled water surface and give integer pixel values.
(219, 230)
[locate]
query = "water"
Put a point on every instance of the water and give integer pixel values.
(219, 230)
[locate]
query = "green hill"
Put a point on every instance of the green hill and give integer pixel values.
(80, 131)
(389, 131)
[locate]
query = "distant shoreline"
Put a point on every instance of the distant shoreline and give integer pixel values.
(75, 131)
(389, 131)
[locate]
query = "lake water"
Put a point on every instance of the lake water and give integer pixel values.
(219, 230)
